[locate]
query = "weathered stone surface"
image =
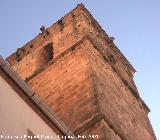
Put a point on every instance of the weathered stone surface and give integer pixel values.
(86, 81)
(102, 130)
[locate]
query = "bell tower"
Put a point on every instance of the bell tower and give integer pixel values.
(76, 68)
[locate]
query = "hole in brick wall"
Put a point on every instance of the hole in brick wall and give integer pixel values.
(61, 23)
(73, 48)
(105, 58)
(20, 54)
(111, 58)
(49, 50)
(31, 46)
(73, 16)
(44, 56)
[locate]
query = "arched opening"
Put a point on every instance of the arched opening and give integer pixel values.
(45, 55)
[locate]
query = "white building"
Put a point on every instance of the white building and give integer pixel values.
(23, 115)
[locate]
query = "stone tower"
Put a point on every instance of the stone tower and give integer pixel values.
(75, 67)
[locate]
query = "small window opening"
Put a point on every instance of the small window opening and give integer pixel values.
(49, 50)
(44, 55)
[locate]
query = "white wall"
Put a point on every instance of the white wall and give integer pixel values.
(16, 116)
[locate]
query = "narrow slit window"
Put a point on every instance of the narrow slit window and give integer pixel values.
(49, 51)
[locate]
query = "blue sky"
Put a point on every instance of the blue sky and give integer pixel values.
(134, 23)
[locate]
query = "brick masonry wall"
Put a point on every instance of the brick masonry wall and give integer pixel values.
(66, 87)
(121, 109)
(83, 89)
(103, 130)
